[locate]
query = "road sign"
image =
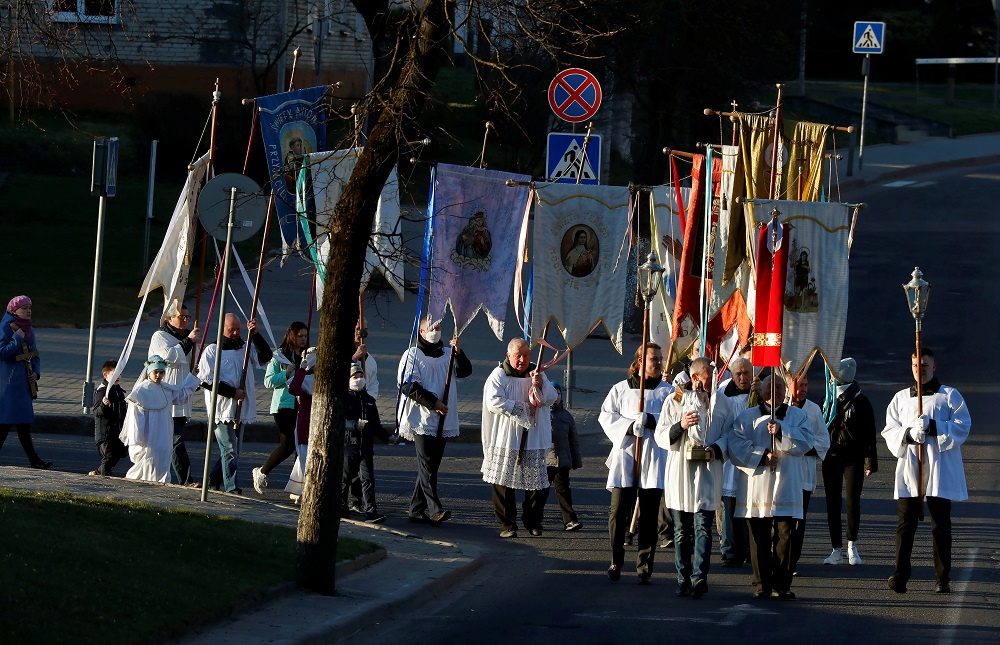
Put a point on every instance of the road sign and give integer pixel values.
(574, 95)
(869, 37)
(565, 160)
(104, 175)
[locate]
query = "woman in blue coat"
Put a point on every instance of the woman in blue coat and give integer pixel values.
(19, 369)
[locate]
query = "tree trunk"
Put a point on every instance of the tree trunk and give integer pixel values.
(319, 520)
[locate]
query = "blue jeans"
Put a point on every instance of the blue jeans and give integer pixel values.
(734, 540)
(225, 436)
(692, 545)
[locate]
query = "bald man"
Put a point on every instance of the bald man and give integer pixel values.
(230, 392)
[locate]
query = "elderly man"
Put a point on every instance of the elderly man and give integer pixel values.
(624, 425)
(812, 458)
(767, 445)
(173, 342)
(941, 429)
(424, 418)
(517, 434)
(692, 429)
(733, 537)
(231, 392)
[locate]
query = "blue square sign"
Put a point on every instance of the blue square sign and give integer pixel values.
(869, 37)
(566, 160)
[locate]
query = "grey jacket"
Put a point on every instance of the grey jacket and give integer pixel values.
(565, 449)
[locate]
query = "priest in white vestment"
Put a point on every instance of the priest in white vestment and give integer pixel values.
(517, 435)
(148, 430)
(768, 450)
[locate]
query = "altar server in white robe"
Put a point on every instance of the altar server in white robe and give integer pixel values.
(623, 424)
(148, 430)
(810, 461)
(517, 435)
(769, 452)
(941, 430)
(743, 391)
(692, 429)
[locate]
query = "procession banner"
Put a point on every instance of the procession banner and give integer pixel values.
(476, 222)
(293, 124)
(667, 233)
(689, 274)
(324, 175)
(578, 231)
(814, 284)
(808, 148)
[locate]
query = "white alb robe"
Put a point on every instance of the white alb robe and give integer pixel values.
(431, 373)
(944, 471)
(768, 493)
(230, 370)
(731, 474)
(506, 415)
(618, 412)
(821, 442)
(178, 363)
(148, 430)
(692, 486)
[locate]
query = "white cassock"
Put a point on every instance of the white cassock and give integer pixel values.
(430, 373)
(692, 486)
(230, 370)
(944, 471)
(821, 442)
(730, 473)
(618, 412)
(506, 415)
(768, 493)
(169, 348)
(148, 430)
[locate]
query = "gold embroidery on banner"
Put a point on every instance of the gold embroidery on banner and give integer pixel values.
(769, 339)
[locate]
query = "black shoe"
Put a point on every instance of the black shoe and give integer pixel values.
(41, 464)
(795, 574)
(783, 595)
(699, 588)
(683, 590)
(942, 586)
(536, 532)
(645, 579)
(897, 584)
(733, 563)
(420, 518)
(440, 516)
(614, 573)
(761, 594)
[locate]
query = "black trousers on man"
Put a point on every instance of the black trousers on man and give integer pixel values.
(430, 451)
(909, 518)
(619, 518)
(505, 507)
(771, 568)
(559, 479)
(838, 473)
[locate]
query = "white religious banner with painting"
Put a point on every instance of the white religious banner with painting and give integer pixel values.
(477, 220)
(324, 176)
(578, 232)
(816, 286)
(666, 229)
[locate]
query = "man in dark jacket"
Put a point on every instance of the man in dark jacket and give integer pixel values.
(852, 457)
(109, 414)
(362, 426)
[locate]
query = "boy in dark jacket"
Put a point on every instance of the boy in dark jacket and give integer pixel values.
(362, 426)
(109, 414)
(563, 456)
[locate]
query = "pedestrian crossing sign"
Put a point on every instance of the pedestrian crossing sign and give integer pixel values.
(568, 163)
(869, 37)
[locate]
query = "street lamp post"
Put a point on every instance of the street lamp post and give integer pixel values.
(917, 292)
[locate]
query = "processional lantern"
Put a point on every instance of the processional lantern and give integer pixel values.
(650, 278)
(917, 291)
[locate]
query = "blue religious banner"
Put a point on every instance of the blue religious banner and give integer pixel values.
(293, 124)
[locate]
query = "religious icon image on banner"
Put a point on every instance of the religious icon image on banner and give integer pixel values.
(474, 243)
(297, 142)
(580, 250)
(801, 293)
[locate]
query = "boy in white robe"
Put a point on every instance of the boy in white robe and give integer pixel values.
(148, 430)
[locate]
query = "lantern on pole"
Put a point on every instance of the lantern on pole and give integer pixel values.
(918, 291)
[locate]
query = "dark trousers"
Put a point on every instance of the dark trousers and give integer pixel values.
(771, 567)
(505, 507)
(909, 518)
(24, 436)
(430, 451)
(851, 473)
(362, 467)
(735, 537)
(619, 518)
(180, 464)
(799, 530)
(112, 452)
(665, 521)
(559, 479)
(285, 419)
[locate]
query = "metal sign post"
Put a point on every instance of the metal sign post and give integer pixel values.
(869, 38)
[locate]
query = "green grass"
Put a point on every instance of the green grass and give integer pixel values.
(89, 570)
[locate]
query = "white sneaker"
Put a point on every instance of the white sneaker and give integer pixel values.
(836, 557)
(853, 557)
(295, 498)
(259, 481)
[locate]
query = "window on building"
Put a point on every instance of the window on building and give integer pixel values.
(100, 11)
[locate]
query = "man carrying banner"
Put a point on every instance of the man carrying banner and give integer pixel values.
(692, 429)
(623, 424)
(941, 430)
(424, 379)
(517, 434)
(767, 445)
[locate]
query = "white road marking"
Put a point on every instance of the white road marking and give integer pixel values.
(957, 595)
(898, 184)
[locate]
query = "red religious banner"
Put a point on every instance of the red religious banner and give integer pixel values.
(772, 263)
(689, 276)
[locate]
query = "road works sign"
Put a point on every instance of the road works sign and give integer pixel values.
(574, 95)
(566, 161)
(869, 37)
